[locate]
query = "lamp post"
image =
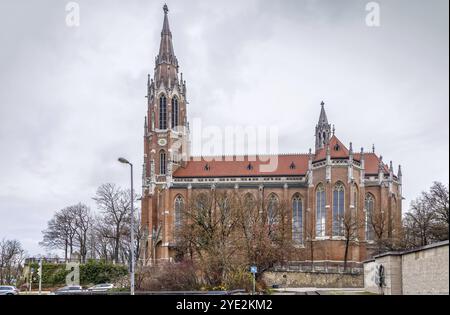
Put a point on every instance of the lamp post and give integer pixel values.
(124, 161)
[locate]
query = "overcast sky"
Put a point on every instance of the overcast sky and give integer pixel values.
(72, 99)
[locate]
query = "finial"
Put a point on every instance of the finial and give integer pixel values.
(373, 148)
(351, 147)
(166, 8)
(391, 166)
(362, 151)
(322, 104)
(399, 171)
(334, 130)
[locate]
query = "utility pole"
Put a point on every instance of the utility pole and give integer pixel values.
(124, 161)
(40, 276)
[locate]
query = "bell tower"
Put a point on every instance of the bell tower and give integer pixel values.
(166, 128)
(323, 129)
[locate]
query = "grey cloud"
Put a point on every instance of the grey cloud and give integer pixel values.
(72, 99)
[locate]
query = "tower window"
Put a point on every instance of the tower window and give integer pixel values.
(163, 113)
(175, 113)
(163, 163)
(250, 167)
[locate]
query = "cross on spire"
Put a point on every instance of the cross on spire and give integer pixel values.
(166, 9)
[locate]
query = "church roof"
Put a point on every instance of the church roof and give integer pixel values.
(288, 165)
(337, 150)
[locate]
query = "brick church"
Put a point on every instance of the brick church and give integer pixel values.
(319, 186)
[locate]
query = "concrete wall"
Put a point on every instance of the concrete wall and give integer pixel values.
(426, 272)
(417, 272)
(369, 276)
(313, 280)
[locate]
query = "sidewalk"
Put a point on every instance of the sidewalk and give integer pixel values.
(324, 291)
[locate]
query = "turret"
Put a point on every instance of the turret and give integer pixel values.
(350, 164)
(363, 167)
(328, 167)
(380, 171)
(323, 129)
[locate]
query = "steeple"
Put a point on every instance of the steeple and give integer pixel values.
(323, 119)
(166, 64)
(323, 129)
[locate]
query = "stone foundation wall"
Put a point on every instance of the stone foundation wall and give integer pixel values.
(313, 280)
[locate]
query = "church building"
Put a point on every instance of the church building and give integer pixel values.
(319, 186)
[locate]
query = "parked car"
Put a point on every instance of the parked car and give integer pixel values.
(104, 287)
(8, 290)
(71, 289)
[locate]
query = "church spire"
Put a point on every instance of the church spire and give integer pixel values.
(166, 67)
(323, 129)
(323, 119)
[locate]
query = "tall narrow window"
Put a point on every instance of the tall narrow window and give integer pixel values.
(163, 113)
(297, 220)
(272, 210)
(338, 210)
(369, 207)
(320, 212)
(179, 208)
(355, 203)
(175, 113)
(162, 163)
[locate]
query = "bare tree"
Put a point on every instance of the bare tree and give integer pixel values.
(11, 258)
(350, 228)
(427, 220)
(115, 204)
(82, 217)
(377, 224)
(226, 232)
(61, 232)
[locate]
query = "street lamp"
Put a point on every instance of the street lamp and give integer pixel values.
(124, 161)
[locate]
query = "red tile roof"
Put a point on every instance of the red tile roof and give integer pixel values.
(371, 163)
(337, 150)
(288, 165)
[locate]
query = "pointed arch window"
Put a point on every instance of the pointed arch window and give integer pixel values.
(321, 215)
(163, 112)
(162, 163)
(297, 219)
(338, 209)
(272, 209)
(175, 113)
(369, 209)
(179, 209)
(355, 202)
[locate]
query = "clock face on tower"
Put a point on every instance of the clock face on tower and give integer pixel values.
(162, 142)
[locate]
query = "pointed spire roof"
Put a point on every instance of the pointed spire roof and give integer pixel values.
(323, 119)
(166, 51)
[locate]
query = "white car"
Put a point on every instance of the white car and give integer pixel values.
(104, 287)
(73, 289)
(8, 290)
